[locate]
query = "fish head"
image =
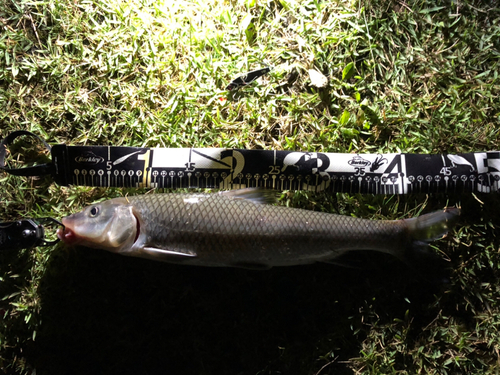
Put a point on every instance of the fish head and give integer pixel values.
(110, 225)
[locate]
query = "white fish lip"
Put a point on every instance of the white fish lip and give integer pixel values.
(66, 235)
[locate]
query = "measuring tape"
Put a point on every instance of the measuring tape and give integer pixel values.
(221, 168)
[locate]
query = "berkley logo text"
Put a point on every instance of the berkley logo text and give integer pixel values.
(89, 158)
(358, 161)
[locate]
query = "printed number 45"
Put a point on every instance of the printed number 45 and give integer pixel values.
(445, 171)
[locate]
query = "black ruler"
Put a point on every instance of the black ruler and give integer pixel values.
(395, 173)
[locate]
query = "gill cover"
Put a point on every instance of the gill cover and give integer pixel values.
(110, 225)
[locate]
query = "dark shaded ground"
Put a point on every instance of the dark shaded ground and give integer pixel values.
(103, 313)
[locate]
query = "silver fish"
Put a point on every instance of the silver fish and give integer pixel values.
(239, 229)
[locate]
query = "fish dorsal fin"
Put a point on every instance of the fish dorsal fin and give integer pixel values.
(153, 251)
(255, 195)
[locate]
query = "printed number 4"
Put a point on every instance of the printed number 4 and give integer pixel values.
(446, 171)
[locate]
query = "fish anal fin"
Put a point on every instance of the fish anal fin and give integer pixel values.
(345, 264)
(360, 259)
(251, 266)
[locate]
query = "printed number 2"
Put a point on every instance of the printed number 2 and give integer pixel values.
(274, 169)
(446, 171)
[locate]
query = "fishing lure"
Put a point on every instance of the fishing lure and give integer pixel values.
(244, 80)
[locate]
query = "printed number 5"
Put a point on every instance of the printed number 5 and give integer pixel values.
(109, 165)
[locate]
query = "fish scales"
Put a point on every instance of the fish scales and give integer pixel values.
(228, 231)
(236, 229)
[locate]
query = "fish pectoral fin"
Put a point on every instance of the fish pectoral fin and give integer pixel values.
(254, 195)
(155, 252)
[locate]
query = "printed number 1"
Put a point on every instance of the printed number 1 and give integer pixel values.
(446, 171)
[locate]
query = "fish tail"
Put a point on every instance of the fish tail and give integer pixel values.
(422, 230)
(433, 226)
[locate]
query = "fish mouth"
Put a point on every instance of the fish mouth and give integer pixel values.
(66, 235)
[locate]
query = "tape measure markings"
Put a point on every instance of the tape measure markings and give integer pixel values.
(392, 173)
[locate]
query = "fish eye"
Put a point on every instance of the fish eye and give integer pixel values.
(94, 211)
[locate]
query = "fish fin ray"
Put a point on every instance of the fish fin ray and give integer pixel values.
(256, 195)
(344, 264)
(422, 230)
(169, 253)
(251, 266)
(432, 226)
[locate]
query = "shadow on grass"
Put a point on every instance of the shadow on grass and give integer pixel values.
(107, 314)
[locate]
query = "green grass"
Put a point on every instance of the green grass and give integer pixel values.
(416, 76)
